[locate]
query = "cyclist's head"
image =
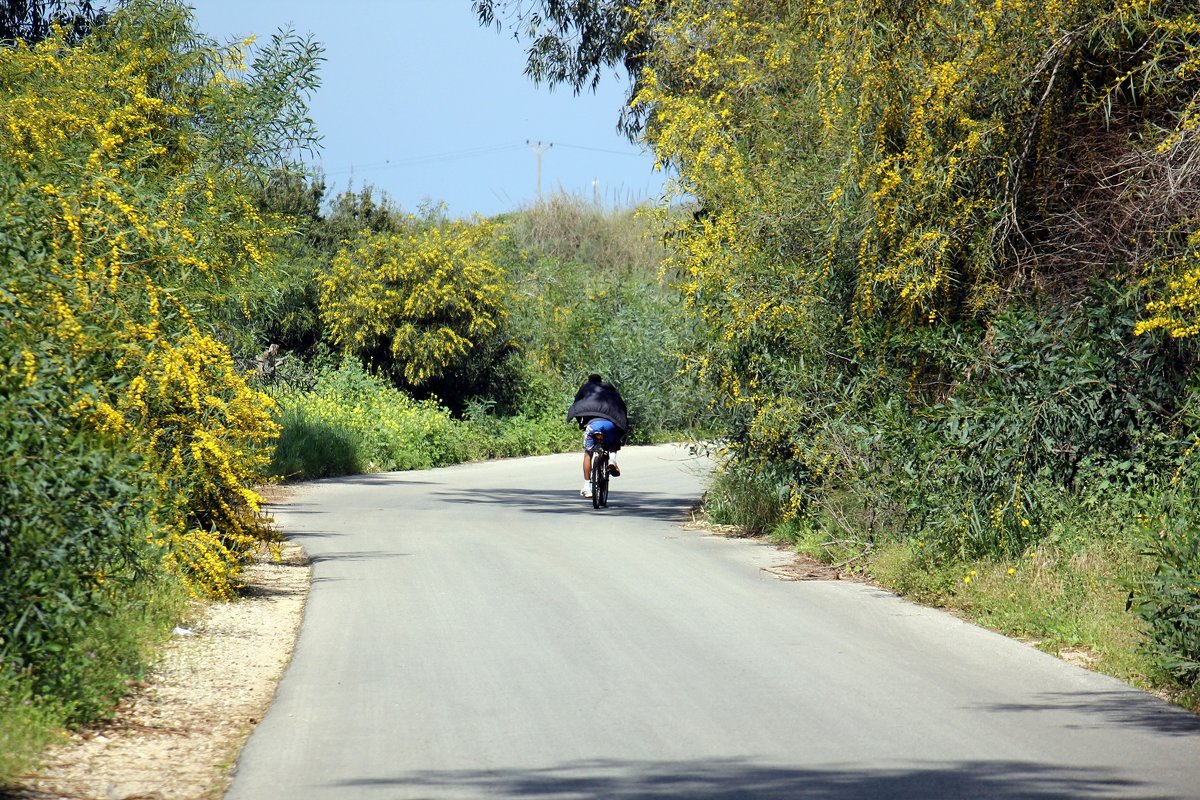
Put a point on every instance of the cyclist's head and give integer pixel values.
(594, 378)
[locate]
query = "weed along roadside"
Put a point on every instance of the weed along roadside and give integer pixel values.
(1069, 603)
(177, 733)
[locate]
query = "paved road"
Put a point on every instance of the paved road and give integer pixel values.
(481, 632)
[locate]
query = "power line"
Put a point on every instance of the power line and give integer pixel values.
(432, 158)
(471, 152)
(601, 150)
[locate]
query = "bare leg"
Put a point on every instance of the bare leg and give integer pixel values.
(587, 465)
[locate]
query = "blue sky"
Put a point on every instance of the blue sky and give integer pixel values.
(420, 101)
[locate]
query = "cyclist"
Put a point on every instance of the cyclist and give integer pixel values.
(598, 408)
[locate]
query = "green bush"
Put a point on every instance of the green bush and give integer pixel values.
(313, 448)
(73, 545)
(751, 499)
(26, 726)
(590, 300)
(75, 519)
(1168, 598)
(994, 440)
(351, 422)
(492, 436)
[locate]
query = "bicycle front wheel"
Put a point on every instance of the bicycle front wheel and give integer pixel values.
(598, 479)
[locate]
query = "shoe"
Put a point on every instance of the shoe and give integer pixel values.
(614, 470)
(586, 491)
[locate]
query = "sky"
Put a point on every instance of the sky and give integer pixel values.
(420, 101)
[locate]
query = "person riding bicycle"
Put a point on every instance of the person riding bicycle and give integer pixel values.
(599, 409)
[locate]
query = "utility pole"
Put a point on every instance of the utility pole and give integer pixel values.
(539, 148)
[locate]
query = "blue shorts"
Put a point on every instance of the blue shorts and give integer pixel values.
(612, 435)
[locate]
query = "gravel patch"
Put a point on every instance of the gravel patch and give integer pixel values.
(178, 734)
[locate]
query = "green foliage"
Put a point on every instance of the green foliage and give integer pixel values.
(81, 588)
(1059, 399)
(74, 519)
(589, 300)
(1168, 598)
(349, 422)
(34, 20)
(311, 447)
(26, 727)
(76, 508)
(575, 42)
(1069, 602)
(90, 672)
(128, 162)
(752, 500)
(567, 230)
(521, 434)
(352, 213)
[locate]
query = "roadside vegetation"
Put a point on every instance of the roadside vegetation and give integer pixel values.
(944, 258)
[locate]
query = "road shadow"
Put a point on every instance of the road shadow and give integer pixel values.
(646, 505)
(297, 509)
(1127, 709)
(361, 555)
(364, 479)
(727, 779)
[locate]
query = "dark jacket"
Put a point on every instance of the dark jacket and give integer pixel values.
(599, 400)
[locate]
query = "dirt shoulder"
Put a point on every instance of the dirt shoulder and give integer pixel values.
(178, 734)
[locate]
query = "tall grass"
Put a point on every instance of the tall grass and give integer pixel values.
(570, 230)
(1067, 601)
(351, 422)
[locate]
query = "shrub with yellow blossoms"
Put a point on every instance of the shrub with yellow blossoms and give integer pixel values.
(137, 151)
(416, 303)
(875, 188)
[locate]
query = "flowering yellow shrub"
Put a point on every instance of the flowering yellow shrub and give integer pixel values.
(898, 148)
(1176, 275)
(872, 186)
(716, 85)
(417, 302)
(141, 222)
(205, 436)
(1177, 310)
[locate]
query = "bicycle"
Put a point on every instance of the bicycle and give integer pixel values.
(599, 476)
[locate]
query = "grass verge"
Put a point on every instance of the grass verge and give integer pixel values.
(1069, 602)
(119, 651)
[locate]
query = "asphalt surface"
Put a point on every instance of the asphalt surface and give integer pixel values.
(482, 632)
